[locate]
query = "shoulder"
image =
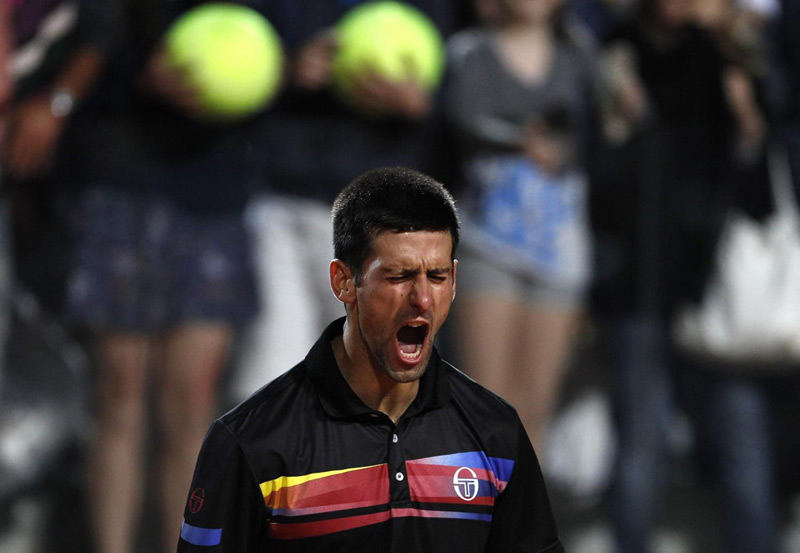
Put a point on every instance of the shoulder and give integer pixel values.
(478, 402)
(492, 423)
(268, 409)
(466, 44)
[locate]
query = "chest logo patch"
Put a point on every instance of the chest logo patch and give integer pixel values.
(465, 483)
(196, 500)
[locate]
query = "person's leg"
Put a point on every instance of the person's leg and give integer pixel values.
(116, 458)
(642, 395)
(484, 336)
(738, 427)
(517, 352)
(545, 339)
(187, 380)
(289, 287)
(512, 336)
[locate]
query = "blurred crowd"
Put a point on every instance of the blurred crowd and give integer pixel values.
(595, 147)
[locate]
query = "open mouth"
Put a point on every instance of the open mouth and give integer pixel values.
(410, 339)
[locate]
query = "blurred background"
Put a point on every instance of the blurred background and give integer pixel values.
(165, 236)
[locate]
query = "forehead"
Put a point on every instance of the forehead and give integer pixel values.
(430, 247)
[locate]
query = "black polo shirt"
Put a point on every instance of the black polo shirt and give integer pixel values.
(305, 465)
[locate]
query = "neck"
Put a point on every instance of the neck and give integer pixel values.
(367, 380)
(527, 31)
(527, 51)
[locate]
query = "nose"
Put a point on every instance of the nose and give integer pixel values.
(420, 296)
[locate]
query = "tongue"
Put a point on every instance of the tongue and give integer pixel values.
(408, 348)
(410, 338)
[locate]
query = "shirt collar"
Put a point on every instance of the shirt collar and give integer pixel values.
(340, 401)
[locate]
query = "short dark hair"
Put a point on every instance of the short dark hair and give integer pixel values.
(395, 199)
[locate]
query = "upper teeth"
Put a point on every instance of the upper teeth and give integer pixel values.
(416, 325)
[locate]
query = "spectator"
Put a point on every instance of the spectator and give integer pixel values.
(45, 68)
(519, 98)
(54, 57)
(657, 219)
(316, 145)
(161, 272)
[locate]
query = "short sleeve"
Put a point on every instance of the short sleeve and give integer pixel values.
(224, 510)
(523, 519)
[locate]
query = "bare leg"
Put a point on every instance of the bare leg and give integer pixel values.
(543, 350)
(188, 380)
(484, 340)
(517, 351)
(116, 460)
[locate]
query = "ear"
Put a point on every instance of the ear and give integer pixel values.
(455, 267)
(342, 281)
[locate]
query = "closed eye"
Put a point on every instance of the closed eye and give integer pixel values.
(434, 276)
(440, 275)
(400, 277)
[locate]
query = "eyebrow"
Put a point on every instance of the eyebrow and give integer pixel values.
(441, 270)
(402, 271)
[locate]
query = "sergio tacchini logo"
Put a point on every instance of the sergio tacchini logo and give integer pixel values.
(465, 483)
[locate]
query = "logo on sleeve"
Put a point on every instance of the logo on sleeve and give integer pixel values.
(196, 500)
(465, 483)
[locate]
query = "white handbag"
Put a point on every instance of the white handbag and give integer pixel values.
(750, 312)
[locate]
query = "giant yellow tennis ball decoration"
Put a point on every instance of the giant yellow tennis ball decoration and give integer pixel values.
(231, 54)
(396, 40)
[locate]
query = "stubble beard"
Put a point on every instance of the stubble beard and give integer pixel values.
(382, 360)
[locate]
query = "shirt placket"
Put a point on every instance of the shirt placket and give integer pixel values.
(398, 476)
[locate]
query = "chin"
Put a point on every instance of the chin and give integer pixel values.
(403, 377)
(407, 373)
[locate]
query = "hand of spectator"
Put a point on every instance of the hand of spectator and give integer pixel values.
(631, 99)
(310, 69)
(167, 83)
(32, 135)
(629, 94)
(380, 96)
(547, 150)
(751, 124)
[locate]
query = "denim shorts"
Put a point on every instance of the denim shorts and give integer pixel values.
(140, 263)
(479, 274)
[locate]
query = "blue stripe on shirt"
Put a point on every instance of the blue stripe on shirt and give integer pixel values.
(200, 536)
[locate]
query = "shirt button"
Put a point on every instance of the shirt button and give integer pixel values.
(394, 438)
(399, 476)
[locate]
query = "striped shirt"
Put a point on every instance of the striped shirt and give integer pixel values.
(305, 465)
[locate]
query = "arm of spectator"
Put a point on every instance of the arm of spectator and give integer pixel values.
(167, 83)
(36, 123)
(310, 68)
(740, 95)
(550, 151)
(377, 95)
(623, 99)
